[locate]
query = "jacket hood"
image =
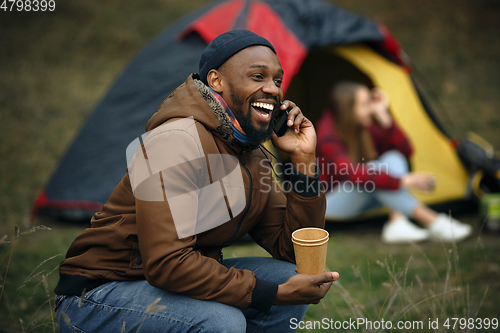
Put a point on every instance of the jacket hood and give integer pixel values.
(193, 99)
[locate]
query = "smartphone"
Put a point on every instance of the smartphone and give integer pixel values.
(279, 121)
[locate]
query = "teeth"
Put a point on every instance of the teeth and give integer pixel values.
(266, 106)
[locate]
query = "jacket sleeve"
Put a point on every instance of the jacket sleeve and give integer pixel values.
(169, 262)
(304, 206)
(392, 138)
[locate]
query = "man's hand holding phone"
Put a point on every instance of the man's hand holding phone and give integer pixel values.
(299, 138)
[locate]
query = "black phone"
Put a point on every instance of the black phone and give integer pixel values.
(279, 121)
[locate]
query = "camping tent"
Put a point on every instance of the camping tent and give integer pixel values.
(317, 44)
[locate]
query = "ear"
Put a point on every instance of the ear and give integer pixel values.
(214, 80)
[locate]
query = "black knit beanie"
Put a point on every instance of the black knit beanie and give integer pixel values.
(225, 46)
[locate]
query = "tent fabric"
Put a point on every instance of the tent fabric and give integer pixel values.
(262, 20)
(311, 24)
(95, 162)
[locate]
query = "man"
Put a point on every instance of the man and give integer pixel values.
(152, 259)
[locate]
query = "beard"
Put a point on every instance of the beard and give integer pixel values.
(254, 135)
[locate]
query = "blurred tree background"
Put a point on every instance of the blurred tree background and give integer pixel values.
(56, 66)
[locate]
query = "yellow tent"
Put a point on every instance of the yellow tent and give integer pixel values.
(434, 151)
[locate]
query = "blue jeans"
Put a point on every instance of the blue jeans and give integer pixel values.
(124, 305)
(342, 204)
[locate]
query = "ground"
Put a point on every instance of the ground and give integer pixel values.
(55, 67)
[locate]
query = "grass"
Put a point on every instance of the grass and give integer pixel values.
(29, 274)
(410, 282)
(55, 67)
(421, 282)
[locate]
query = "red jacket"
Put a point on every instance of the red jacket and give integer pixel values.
(336, 165)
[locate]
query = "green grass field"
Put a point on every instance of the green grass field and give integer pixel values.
(55, 67)
(397, 283)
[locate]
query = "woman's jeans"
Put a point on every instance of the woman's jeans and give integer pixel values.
(346, 202)
(139, 307)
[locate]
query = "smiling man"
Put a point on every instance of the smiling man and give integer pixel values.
(145, 265)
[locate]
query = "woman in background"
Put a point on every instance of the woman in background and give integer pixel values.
(363, 159)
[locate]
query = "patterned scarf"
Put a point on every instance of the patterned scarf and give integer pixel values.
(237, 134)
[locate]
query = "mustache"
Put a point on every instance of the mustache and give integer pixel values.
(264, 96)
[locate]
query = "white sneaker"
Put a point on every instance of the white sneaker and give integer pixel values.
(401, 230)
(447, 229)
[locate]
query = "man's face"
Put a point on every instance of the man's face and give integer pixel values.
(252, 89)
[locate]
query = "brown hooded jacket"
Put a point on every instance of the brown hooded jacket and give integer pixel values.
(134, 239)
